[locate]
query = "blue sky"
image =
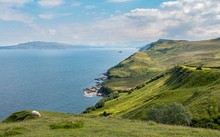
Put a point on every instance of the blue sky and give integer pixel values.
(107, 22)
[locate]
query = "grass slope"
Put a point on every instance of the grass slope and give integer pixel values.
(163, 55)
(96, 126)
(193, 88)
(150, 77)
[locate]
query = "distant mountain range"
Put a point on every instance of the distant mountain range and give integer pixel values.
(44, 45)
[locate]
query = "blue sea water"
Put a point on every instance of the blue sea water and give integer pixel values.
(52, 80)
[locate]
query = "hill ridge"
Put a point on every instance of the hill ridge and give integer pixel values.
(186, 72)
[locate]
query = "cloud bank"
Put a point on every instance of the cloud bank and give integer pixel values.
(179, 19)
(8, 13)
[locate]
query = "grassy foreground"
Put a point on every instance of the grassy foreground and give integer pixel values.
(96, 126)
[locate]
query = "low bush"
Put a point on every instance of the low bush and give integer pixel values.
(100, 104)
(105, 114)
(174, 113)
(206, 122)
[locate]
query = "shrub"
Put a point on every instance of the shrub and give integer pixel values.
(206, 121)
(173, 113)
(140, 86)
(105, 114)
(199, 67)
(112, 95)
(100, 104)
(178, 115)
(217, 119)
(89, 109)
(158, 113)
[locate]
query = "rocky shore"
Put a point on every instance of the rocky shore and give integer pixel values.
(93, 91)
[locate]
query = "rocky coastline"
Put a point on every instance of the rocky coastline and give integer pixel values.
(94, 90)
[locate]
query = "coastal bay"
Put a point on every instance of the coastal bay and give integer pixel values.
(52, 80)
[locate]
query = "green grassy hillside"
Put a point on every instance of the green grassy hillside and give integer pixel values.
(62, 125)
(191, 87)
(163, 55)
(166, 73)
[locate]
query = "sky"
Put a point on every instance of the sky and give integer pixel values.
(107, 22)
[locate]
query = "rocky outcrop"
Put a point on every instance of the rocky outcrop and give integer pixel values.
(94, 90)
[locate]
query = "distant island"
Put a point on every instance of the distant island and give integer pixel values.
(45, 45)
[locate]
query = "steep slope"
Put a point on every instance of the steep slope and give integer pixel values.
(170, 71)
(163, 55)
(59, 124)
(199, 90)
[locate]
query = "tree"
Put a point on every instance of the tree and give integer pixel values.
(173, 113)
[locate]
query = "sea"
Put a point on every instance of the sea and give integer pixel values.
(53, 79)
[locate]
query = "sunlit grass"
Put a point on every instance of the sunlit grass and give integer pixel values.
(161, 57)
(97, 126)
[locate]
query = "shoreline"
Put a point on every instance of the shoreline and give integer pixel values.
(94, 90)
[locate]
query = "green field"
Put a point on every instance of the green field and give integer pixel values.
(98, 127)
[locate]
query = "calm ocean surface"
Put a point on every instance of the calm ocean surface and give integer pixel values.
(52, 80)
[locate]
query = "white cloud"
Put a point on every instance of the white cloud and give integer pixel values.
(118, 1)
(47, 16)
(9, 14)
(181, 19)
(52, 31)
(50, 3)
(14, 2)
(90, 7)
(76, 4)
